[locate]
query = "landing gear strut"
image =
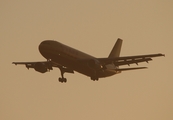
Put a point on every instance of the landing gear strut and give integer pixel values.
(62, 79)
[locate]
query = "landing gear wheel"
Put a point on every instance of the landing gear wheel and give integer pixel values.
(94, 78)
(62, 80)
(65, 80)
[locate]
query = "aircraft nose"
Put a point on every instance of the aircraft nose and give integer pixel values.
(41, 45)
(45, 42)
(44, 47)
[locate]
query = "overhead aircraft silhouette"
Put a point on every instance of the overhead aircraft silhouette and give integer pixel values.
(68, 60)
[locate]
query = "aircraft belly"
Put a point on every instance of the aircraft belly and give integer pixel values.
(82, 68)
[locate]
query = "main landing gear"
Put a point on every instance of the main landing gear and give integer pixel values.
(63, 70)
(94, 77)
(62, 79)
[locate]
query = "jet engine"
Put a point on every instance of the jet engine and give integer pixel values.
(95, 64)
(41, 67)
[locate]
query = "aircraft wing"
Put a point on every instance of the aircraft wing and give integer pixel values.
(119, 61)
(32, 64)
(43, 66)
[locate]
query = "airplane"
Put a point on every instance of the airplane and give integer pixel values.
(68, 60)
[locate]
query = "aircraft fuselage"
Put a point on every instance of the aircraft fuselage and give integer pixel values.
(70, 57)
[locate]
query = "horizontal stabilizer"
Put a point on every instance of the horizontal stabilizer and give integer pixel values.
(125, 69)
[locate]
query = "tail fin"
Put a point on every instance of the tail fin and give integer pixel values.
(116, 49)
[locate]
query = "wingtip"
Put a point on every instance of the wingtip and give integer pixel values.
(162, 54)
(14, 63)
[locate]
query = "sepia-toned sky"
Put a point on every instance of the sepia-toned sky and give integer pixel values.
(91, 26)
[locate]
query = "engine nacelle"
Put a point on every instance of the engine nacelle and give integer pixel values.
(95, 64)
(40, 67)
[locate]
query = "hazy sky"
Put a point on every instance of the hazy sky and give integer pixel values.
(91, 26)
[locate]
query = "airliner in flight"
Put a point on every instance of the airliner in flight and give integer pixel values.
(68, 60)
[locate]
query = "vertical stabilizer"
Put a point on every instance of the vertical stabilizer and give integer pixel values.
(116, 49)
